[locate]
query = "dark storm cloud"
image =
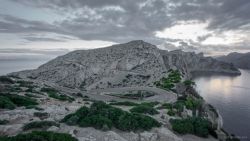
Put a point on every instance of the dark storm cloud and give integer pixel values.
(69, 4)
(38, 39)
(124, 20)
(10, 24)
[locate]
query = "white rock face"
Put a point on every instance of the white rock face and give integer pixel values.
(91, 134)
(135, 63)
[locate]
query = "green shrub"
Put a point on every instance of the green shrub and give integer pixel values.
(6, 79)
(34, 107)
(103, 116)
(19, 100)
(48, 90)
(179, 106)
(133, 122)
(41, 115)
(167, 106)
(6, 103)
(192, 125)
(61, 97)
(23, 83)
(151, 104)
(192, 103)
(169, 82)
(96, 121)
(124, 103)
(146, 109)
(3, 122)
(40, 125)
(171, 112)
(55, 94)
(40, 136)
(189, 83)
(32, 95)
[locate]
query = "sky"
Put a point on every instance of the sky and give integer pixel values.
(215, 27)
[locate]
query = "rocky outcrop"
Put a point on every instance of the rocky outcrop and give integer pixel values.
(240, 60)
(135, 63)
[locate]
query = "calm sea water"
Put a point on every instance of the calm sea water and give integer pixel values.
(231, 96)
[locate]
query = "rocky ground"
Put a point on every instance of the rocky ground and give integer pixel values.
(57, 109)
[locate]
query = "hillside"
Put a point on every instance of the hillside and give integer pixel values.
(240, 60)
(135, 63)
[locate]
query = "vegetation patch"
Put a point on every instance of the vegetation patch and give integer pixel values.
(145, 109)
(189, 83)
(192, 125)
(40, 136)
(3, 122)
(53, 93)
(19, 100)
(124, 103)
(152, 104)
(27, 84)
(166, 106)
(34, 107)
(135, 95)
(40, 125)
(103, 116)
(10, 101)
(192, 103)
(41, 115)
(171, 112)
(6, 103)
(6, 80)
(32, 95)
(169, 82)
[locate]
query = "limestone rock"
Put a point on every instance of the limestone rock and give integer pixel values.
(135, 63)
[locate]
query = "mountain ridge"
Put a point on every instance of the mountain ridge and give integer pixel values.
(136, 63)
(240, 60)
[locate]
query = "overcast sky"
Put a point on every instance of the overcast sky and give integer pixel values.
(210, 26)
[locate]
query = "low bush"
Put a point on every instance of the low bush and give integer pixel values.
(40, 125)
(41, 115)
(169, 82)
(32, 95)
(166, 106)
(145, 109)
(151, 104)
(19, 100)
(171, 112)
(189, 83)
(40, 136)
(55, 94)
(6, 103)
(103, 116)
(192, 125)
(192, 103)
(124, 103)
(34, 107)
(6, 80)
(3, 122)
(23, 83)
(61, 97)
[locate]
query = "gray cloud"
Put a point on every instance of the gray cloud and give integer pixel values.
(121, 21)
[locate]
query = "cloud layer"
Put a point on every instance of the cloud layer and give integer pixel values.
(193, 25)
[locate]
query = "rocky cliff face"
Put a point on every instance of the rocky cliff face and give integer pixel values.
(135, 63)
(240, 60)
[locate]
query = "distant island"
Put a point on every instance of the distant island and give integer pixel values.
(240, 60)
(127, 92)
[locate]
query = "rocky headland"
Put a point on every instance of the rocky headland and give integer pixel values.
(126, 92)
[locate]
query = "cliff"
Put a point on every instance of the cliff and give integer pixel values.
(136, 63)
